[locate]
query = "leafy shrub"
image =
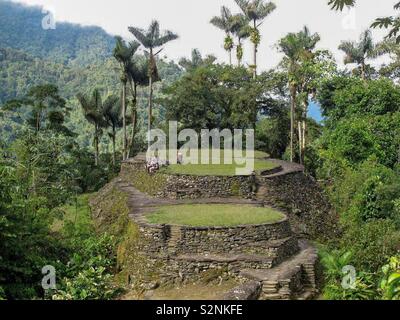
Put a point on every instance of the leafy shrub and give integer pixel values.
(366, 193)
(90, 284)
(390, 284)
(371, 243)
(88, 273)
(334, 262)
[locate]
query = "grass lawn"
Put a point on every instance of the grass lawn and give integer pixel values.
(224, 215)
(216, 169)
(220, 169)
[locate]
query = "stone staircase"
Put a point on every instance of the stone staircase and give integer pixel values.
(294, 278)
(174, 237)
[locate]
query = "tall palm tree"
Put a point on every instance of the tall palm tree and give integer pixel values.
(124, 53)
(296, 47)
(240, 28)
(309, 42)
(224, 22)
(152, 39)
(256, 11)
(196, 60)
(138, 77)
(291, 47)
(359, 52)
(112, 111)
(92, 108)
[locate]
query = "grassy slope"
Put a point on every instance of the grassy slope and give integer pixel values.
(214, 215)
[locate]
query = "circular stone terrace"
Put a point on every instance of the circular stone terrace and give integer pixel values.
(202, 232)
(204, 217)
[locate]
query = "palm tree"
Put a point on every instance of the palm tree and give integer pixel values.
(297, 47)
(224, 22)
(124, 53)
(112, 111)
(93, 110)
(309, 42)
(291, 47)
(151, 39)
(256, 11)
(240, 28)
(196, 60)
(138, 77)
(359, 52)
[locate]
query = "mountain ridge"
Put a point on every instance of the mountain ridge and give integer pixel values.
(21, 29)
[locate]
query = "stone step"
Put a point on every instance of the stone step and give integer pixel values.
(174, 237)
(288, 278)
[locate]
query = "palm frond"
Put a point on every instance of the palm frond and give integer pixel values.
(339, 5)
(163, 39)
(141, 36)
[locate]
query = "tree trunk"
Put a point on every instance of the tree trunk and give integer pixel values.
(38, 122)
(150, 107)
(299, 126)
(96, 146)
(113, 144)
(238, 55)
(363, 71)
(292, 119)
(304, 129)
(255, 55)
(255, 62)
(134, 118)
(124, 120)
(230, 57)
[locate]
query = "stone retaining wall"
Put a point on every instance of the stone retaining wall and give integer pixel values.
(194, 187)
(186, 186)
(190, 252)
(193, 240)
(236, 239)
(303, 200)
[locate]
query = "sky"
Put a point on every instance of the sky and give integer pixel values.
(190, 20)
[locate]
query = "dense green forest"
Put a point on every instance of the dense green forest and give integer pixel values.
(77, 101)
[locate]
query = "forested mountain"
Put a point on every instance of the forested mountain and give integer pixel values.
(72, 57)
(21, 28)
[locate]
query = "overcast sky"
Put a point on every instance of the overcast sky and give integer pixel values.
(190, 19)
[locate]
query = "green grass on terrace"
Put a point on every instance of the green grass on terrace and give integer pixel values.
(224, 215)
(260, 164)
